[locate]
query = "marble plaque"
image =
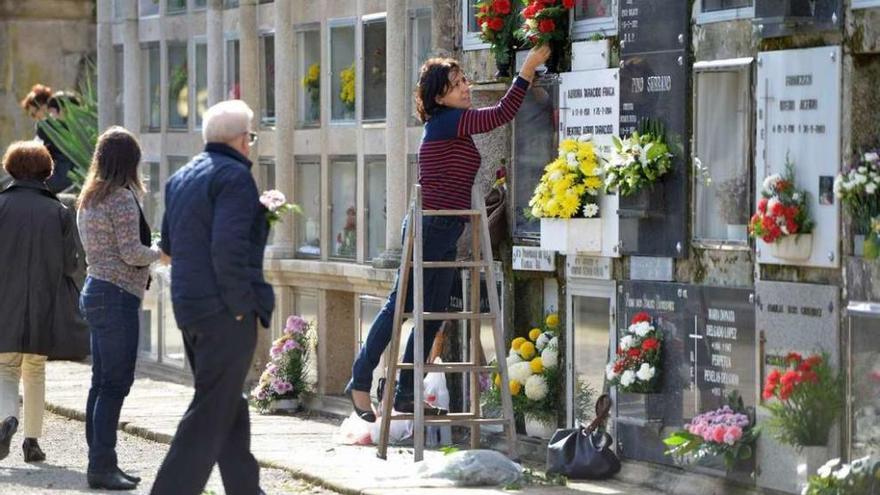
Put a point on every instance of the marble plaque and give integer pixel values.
(649, 25)
(533, 259)
(590, 104)
(535, 144)
(646, 268)
(798, 98)
(653, 222)
(590, 267)
(803, 318)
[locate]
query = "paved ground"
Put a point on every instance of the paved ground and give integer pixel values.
(305, 446)
(65, 465)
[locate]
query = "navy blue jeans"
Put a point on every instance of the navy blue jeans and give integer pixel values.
(112, 315)
(440, 236)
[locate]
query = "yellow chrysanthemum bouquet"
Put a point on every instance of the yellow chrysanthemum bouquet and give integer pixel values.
(312, 82)
(346, 91)
(534, 375)
(571, 183)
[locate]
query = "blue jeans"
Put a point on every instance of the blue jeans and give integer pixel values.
(112, 315)
(440, 236)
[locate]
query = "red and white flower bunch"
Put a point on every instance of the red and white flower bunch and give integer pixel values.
(546, 20)
(636, 367)
(782, 209)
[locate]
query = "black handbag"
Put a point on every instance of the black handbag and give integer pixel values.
(584, 452)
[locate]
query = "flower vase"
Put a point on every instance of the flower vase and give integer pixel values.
(796, 247)
(284, 406)
(502, 65)
(538, 429)
(807, 461)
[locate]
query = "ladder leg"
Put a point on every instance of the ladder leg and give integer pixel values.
(394, 350)
(474, 327)
(418, 337)
(495, 307)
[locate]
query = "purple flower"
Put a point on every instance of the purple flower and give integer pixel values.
(289, 345)
(295, 324)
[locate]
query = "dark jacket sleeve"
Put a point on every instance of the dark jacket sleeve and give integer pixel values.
(69, 243)
(236, 201)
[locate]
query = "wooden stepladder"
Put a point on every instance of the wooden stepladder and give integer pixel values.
(412, 259)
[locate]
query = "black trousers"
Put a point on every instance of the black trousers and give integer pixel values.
(216, 427)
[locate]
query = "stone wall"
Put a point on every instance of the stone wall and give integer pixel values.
(41, 41)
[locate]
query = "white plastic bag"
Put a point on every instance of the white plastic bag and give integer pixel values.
(472, 468)
(399, 431)
(437, 394)
(354, 431)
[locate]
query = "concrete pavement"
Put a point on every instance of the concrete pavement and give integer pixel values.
(303, 445)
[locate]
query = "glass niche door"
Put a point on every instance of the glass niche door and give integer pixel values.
(589, 337)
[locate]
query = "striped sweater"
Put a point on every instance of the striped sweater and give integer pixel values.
(449, 159)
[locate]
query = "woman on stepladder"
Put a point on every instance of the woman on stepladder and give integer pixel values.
(448, 164)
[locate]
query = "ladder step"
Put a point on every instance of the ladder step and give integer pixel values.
(455, 264)
(454, 418)
(449, 367)
(451, 213)
(464, 315)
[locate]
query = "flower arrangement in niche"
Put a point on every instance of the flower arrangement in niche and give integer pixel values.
(535, 377)
(570, 184)
(276, 205)
(728, 432)
(636, 366)
(804, 400)
(498, 21)
(837, 478)
(546, 21)
(859, 190)
(312, 83)
(638, 161)
(782, 209)
(286, 373)
(346, 90)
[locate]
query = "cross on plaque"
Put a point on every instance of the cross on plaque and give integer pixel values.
(697, 337)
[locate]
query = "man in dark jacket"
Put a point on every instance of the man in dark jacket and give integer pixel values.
(215, 231)
(37, 294)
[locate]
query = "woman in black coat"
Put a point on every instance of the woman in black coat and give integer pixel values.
(37, 295)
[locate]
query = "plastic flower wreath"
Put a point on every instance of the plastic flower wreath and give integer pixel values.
(571, 182)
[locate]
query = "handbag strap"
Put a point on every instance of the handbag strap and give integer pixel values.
(603, 408)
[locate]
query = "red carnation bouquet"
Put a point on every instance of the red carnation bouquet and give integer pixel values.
(546, 20)
(498, 21)
(804, 399)
(782, 210)
(636, 366)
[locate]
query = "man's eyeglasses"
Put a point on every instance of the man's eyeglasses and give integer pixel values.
(253, 137)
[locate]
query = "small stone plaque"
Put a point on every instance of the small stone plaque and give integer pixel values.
(533, 259)
(648, 268)
(580, 266)
(790, 317)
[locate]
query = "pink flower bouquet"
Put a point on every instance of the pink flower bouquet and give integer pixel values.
(723, 432)
(286, 373)
(276, 204)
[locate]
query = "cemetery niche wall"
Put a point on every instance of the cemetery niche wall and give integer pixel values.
(654, 84)
(708, 352)
(774, 18)
(798, 122)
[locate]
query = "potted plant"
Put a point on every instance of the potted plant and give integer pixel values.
(783, 217)
(498, 21)
(637, 362)
(312, 83)
(804, 400)
(347, 90)
(566, 199)
(285, 378)
(733, 201)
(639, 160)
(857, 189)
(859, 477)
(728, 432)
(535, 379)
(546, 21)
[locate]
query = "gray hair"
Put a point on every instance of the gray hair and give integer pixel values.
(226, 121)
